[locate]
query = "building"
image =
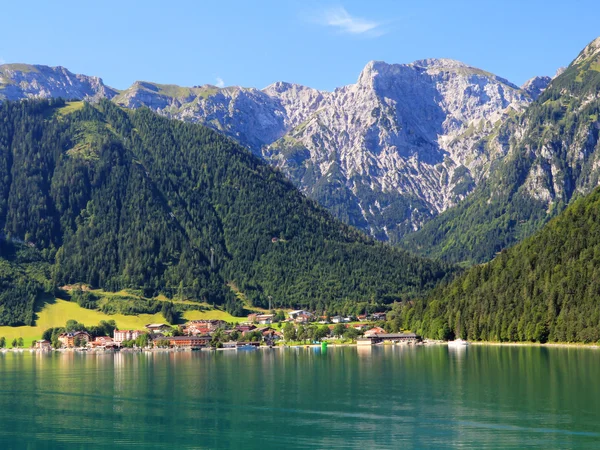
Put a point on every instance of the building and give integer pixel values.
(303, 318)
(379, 316)
(245, 328)
(70, 339)
(43, 345)
(103, 342)
(300, 312)
(126, 335)
(388, 337)
(262, 319)
(374, 332)
(210, 325)
(158, 327)
(188, 341)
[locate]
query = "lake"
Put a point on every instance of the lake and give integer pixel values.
(367, 398)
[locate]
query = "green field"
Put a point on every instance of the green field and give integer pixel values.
(57, 313)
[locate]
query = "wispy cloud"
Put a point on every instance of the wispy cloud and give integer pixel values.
(2, 61)
(220, 82)
(342, 21)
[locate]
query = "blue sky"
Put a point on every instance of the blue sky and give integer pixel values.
(316, 43)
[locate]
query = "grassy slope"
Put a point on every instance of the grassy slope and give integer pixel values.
(56, 314)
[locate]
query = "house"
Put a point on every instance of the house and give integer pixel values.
(158, 327)
(245, 328)
(362, 317)
(196, 329)
(303, 318)
(188, 341)
(337, 319)
(361, 326)
(379, 316)
(374, 332)
(263, 319)
(70, 339)
(126, 335)
(300, 312)
(43, 345)
(210, 325)
(103, 342)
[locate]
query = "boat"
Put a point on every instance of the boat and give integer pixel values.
(247, 347)
(457, 343)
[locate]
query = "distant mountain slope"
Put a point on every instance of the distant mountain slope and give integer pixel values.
(127, 199)
(385, 154)
(552, 157)
(21, 81)
(546, 288)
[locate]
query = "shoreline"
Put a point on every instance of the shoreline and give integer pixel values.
(302, 346)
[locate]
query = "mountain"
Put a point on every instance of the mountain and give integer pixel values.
(385, 155)
(535, 86)
(543, 289)
(21, 81)
(118, 199)
(398, 147)
(551, 158)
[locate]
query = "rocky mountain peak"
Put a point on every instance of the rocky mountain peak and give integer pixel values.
(536, 85)
(590, 50)
(18, 81)
(439, 63)
(401, 145)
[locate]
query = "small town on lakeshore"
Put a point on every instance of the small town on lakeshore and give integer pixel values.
(279, 329)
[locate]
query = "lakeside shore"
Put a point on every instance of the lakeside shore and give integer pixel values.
(298, 346)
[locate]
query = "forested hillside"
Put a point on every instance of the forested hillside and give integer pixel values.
(127, 199)
(545, 289)
(551, 158)
(24, 282)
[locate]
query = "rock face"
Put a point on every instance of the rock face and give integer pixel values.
(552, 157)
(386, 154)
(19, 81)
(400, 145)
(536, 85)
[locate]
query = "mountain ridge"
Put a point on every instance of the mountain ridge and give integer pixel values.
(385, 169)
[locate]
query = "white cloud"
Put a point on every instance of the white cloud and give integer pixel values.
(2, 61)
(341, 20)
(220, 82)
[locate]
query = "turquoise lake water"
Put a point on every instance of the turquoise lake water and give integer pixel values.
(367, 398)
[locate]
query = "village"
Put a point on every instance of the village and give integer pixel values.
(300, 327)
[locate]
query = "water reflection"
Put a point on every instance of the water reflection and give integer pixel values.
(363, 397)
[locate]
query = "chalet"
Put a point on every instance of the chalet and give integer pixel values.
(188, 341)
(361, 326)
(43, 345)
(158, 327)
(70, 339)
(126, 335)
(379, 316)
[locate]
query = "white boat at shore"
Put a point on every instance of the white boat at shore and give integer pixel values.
(458, 343)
